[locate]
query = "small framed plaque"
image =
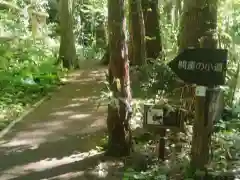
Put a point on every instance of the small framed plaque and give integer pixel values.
(156, 117)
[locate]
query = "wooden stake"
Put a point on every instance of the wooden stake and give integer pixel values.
(202, 127)
(200, 139)
(161, 145)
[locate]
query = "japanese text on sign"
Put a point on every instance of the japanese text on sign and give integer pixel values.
(192, 65)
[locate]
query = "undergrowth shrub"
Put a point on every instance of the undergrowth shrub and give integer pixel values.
(27, 67)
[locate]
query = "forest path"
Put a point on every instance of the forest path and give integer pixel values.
(55, 140)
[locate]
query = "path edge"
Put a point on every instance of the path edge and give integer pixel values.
(28, 110)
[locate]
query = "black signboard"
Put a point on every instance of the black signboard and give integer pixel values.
(202, 66)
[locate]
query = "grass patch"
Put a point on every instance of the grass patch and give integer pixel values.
(27, 74)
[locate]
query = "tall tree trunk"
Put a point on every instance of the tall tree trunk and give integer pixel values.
(197, 29)
(119, 111)
(177, 12)
(87, 22)
(67, 51)
(53, 11)
(101, 33)
(106, 57)
(168, 6)
(152, 28)
(137, 33)
(198, 19)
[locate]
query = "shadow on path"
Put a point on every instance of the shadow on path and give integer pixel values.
(55, 140)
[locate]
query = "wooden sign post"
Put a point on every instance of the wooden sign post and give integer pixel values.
(158, 118)
(206, 68)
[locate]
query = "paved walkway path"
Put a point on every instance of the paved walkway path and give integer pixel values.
(55, 140)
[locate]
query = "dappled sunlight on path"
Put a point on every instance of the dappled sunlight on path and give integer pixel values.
(54, 141)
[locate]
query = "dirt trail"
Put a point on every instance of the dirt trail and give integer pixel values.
(55, 140)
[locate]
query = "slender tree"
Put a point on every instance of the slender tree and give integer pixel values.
(119, 110)
(197, 29)
(198, 19)
(152, 28)
(53, 10)
(101, 33)
(177, 12)
(67, 51)
(167, 8)
(137, 33)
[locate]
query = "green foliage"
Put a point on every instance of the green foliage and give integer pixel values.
(88, 16)
(228, 30)
(226, 146)
(27, 70)
(151, 79)
(156, 173)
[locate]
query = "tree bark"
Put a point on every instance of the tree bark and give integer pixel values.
(119, 110)
(152, 28)
(177, 12)
(67, 51)
(194, 22)
(197, 29)
(86, 17)
(101, 34)
(53, 11)
(137, 33)
(106, 57)
(168, 6)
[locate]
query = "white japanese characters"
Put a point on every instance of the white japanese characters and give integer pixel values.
(192, 65)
